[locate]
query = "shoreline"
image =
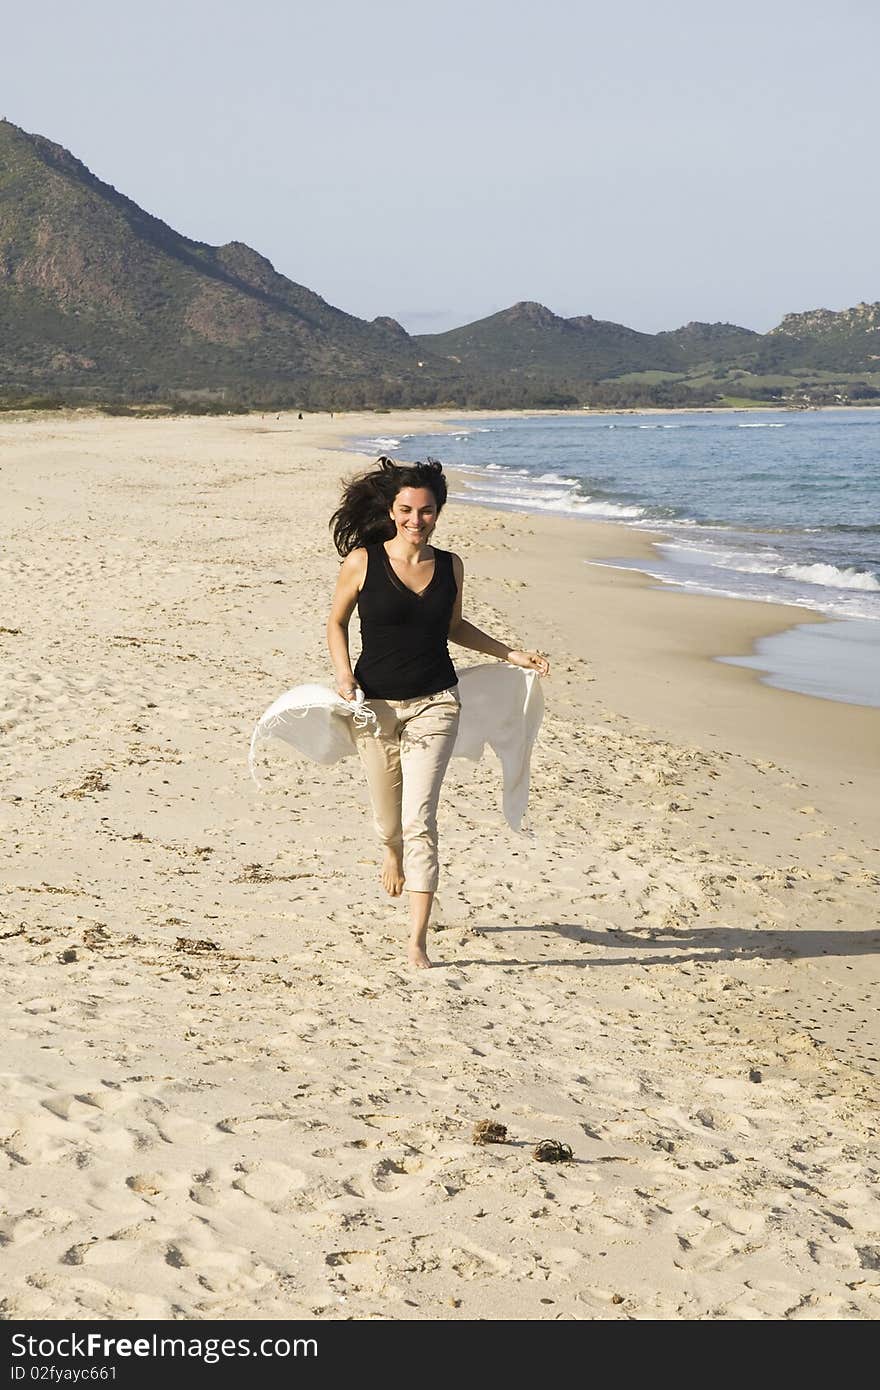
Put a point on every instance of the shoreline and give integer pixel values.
(91, 411)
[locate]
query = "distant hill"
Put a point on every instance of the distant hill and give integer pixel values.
(845, 341)
(528, 342)
(95, 291)
(528, 339)
(699, 343)
(101, 300)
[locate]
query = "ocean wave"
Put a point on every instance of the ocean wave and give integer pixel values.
(611, 510)
(664, 425)
(833, 577)
(773, 563)
(549, 500)
(716, 555)
(824, 574)
(759, 425)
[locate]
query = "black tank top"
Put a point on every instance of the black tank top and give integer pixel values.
(403, 634)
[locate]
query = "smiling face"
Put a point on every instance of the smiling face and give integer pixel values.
(414, 513)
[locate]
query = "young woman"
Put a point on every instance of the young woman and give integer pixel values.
(408, 594)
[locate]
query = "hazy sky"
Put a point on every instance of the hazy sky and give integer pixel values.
(643, 162)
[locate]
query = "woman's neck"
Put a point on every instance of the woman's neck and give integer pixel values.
(413, 552)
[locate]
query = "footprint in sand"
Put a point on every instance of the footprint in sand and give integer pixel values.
(385, 1173)
(270, 1183)
(474, 1262)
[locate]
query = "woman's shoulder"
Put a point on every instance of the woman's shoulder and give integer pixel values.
(356, 556)
(456, 559)
(355, 563)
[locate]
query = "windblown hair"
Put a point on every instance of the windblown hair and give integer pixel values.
(362, 516)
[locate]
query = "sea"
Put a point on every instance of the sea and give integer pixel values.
(771, 506)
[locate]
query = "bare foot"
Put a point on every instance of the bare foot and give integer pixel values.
(392, 873)
(416, 956)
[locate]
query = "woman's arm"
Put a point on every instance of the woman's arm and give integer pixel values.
(465, 634)
(351, 575)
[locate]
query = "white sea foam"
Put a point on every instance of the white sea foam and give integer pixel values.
(760, 425)
(555, 501)
(382, 441)
(614, 511)
(772, 563)
(828, 576)
(833, 577)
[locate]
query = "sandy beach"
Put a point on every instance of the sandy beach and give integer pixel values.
(224, 1092)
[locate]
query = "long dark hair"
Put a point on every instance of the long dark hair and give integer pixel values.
(362, 516)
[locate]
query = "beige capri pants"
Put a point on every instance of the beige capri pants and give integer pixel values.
(405, 761)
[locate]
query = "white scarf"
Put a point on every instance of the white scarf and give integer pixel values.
(501, 705)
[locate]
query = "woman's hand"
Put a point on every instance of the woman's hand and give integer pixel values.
(532, 661)
(347, 689)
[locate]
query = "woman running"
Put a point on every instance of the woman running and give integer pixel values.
(408, 595)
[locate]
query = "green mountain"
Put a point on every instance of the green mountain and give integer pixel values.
(698, 344)
(95, 292)
(529, 340)
(821, 339)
